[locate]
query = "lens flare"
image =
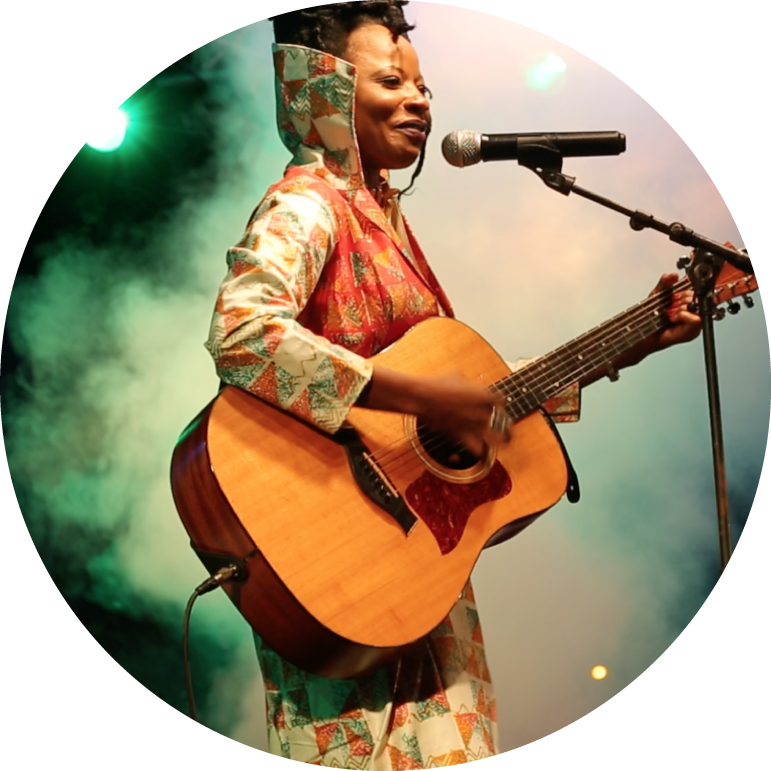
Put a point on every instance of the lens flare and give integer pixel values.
(109, 131)
(599, 672)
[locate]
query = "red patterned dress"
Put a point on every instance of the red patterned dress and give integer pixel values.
(323, 279)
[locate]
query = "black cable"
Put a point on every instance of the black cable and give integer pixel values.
(228, 573)
(185, 655)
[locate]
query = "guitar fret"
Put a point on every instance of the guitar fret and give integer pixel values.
(536, 382)
(533, 384)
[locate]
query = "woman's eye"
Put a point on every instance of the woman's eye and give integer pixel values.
(395, 82)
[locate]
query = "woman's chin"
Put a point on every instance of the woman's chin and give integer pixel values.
(405, 159)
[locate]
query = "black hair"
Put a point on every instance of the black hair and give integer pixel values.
(327, 27)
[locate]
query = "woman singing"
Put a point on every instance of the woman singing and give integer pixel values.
(327, 274)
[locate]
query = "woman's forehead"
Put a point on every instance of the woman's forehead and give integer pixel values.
(372, 47)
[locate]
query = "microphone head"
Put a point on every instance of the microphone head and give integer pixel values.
(462, 148)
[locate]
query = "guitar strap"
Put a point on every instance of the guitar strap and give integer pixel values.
(573, 492)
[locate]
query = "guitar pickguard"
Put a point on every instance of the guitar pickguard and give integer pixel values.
(445, 507)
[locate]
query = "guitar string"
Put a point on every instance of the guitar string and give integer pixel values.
(596, 347)
(599, 334)
(639, 317)
(593, 356)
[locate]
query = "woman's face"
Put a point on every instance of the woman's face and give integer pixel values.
(392, 111)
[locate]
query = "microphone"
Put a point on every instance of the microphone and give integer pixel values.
(465, 148)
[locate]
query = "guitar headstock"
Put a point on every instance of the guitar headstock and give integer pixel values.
(731, 282)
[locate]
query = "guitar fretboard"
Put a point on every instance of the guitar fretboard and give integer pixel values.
(526, 389)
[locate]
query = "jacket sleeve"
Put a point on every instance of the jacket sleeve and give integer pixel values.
(565, 407)
(255, 339)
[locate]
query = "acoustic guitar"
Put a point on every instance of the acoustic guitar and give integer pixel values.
(352, 546)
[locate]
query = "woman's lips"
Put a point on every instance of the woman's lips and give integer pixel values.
(416, 131)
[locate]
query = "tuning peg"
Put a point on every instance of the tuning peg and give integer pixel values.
(748, 301)
(683, 262)
(719, 314)
(733, 307)
(693, 307)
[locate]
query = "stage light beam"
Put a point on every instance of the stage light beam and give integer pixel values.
(109, 131)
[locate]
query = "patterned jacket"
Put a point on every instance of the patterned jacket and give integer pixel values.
(320, 280)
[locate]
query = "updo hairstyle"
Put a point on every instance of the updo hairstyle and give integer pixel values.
(326, 27)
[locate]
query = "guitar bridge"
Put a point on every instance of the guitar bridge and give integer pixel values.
(373, 481)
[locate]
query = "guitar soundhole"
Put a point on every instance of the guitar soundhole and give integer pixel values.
(444, 451)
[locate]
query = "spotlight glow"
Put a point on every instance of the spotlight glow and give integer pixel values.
(540, 76)
(599, 672)
(109, 131)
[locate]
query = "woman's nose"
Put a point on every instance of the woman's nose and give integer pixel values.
(418, 101)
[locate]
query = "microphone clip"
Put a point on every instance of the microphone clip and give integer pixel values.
(542, 156)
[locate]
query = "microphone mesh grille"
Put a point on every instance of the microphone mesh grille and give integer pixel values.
(462, 148)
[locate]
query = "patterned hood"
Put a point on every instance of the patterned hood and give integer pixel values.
(315, 113)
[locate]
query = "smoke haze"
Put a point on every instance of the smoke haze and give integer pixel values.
(110, 339)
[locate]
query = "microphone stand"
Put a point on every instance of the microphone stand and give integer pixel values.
(702, 270)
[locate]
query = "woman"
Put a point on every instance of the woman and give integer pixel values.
(327, 274)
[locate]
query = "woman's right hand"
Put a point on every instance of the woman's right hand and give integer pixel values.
(463, 412)
(448, 404)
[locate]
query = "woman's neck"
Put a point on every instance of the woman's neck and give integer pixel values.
(374, 180)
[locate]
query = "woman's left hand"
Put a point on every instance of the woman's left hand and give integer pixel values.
(684, 324)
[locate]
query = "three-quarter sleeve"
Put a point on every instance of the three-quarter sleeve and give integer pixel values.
(255, 338)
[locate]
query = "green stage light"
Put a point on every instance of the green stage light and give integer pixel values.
(109, 131)
(542, 75)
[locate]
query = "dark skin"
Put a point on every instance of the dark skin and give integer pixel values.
(392, 116)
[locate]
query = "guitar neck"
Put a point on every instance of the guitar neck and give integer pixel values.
(530, 386)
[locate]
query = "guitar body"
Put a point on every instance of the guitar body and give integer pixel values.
(336, 583)
(354, 546)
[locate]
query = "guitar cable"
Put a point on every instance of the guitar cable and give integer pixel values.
(230, 572)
